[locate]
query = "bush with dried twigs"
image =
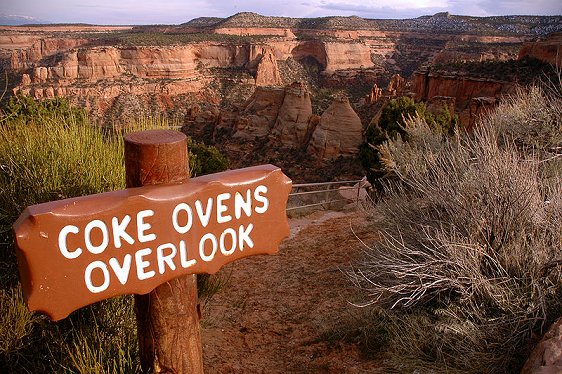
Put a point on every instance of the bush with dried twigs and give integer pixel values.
(469, 270)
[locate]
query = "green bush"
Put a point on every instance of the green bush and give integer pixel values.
(392, 125)
(468, 270)
(205, 159)
(48, 151)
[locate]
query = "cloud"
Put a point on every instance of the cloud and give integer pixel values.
(179, 11)
(410, 8)
(510, 7)
(385, 8)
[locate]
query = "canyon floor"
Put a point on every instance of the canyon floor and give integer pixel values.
(277, 312)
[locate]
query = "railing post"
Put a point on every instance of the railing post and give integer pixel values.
(167, 318)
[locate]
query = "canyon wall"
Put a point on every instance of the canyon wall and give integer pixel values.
(548, 50)
(471, 96)
(102, 73)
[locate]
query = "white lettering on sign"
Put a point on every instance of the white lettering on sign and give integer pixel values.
(185, 263)
(142, 264)
(120, 231)
(62, 242)
(175, 218)
(121, 271)
(211, 238)
(232, 240)
(145, 263)
(204, 218)
(96, 249)
(144, 226)
(221, 208)
(242, 205)
(88, 276)
(164, 260)
(261, 189)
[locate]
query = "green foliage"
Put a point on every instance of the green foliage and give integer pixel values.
(16, 321)
(205, 159)
(396, 111)
(25, 108)
(391, 125)
(48, 151)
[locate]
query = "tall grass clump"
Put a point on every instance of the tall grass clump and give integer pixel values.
(50, 151)
(469, 269)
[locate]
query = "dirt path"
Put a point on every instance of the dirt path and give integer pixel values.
(271, 316)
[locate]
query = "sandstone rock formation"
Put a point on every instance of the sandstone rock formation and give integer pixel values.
(339, 131)
(259, 113)
(284, 117)
(546, 358)
(374, 96)
(464, 90)
(547, 50)
(201, 74)
(293, 126)
(395, 86)
(340, 56)
(437, 104)
(346, 51)
(267, 73)
(24, 58)
(478, 108)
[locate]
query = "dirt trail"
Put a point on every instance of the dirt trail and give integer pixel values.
(270, 317)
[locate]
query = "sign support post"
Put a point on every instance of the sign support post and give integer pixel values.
(149, 240)
(167, 318)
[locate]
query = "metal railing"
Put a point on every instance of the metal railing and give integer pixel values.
(331, 194)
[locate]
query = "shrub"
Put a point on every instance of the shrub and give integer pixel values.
(205, 159)
(392, 125)
(468, 269)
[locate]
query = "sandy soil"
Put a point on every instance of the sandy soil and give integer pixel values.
(271, 316)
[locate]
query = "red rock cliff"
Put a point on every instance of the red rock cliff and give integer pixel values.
(339, 131)
(547, 50)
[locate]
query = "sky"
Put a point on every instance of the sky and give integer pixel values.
(136, 12)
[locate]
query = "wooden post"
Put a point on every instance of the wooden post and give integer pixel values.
(167, 318)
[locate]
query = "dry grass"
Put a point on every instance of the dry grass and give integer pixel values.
(469, 265)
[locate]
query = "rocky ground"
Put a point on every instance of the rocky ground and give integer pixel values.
(277, 311)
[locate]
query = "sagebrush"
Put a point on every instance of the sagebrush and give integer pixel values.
(469, 268)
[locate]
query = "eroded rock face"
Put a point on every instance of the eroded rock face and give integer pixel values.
(546, 358)
(547, 50)
(345, 56)
(267, 73)
(284, 116)
(340, 56)
(25, 58)
(293, 126)
(463, 89)
(259, 113)
(395, 86)
(339, 131)
(375, 95)
(93, 64)
(437, 104)
(479, 107)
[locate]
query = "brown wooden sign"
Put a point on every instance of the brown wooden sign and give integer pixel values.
(75, 252)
